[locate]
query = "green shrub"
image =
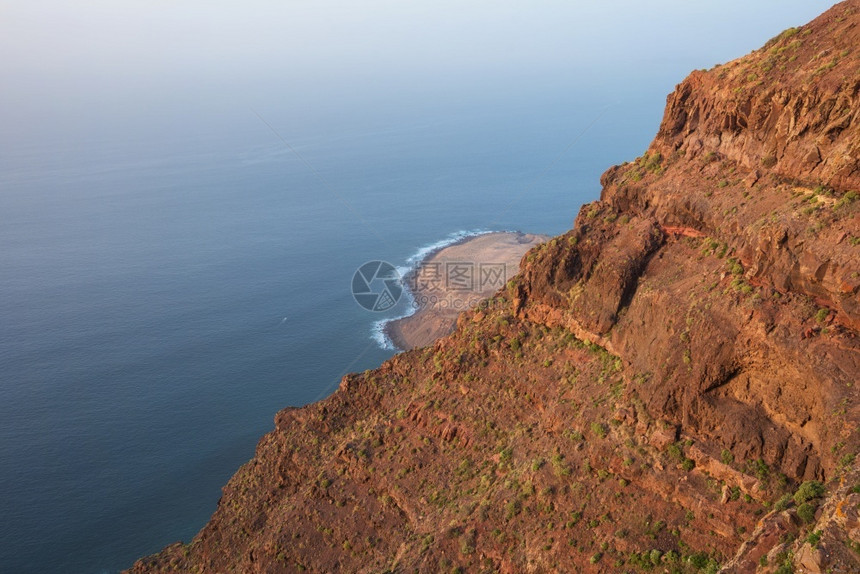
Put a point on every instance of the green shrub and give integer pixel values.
(814, 538)
(846, 199)
(675, 452)
(783, 503)
(735, 266)
(699, 560)
(467, 544)
(788, 33)
(599, 429)
(807, 491)
(512, 508)
(759, 468)
(573, 435)
(727, 457)
(651, 163)
(806, 512)
(558, 465)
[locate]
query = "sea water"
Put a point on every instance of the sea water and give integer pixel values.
(157, 307)
(171, 277)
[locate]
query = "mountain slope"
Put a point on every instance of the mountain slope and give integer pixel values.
(671, 385)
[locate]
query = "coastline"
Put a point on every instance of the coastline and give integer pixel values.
(380, 331)
(450, 277)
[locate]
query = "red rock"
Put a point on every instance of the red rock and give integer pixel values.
(637, 322)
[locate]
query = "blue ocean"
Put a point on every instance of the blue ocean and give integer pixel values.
(176, 269)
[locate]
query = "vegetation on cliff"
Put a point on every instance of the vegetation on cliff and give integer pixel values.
(670, 386)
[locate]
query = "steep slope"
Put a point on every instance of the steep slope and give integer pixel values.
(670, 386)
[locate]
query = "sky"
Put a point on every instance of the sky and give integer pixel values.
(110, 91)
(91, 63)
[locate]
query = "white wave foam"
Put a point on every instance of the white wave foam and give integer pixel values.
(412, 263)
(414, 260)
(377, 333)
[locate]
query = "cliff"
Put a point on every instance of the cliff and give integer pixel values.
(670, 386)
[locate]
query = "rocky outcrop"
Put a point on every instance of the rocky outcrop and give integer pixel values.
(790, 108)
(672, 384)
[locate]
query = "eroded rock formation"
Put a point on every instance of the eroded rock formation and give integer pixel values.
(670, 386)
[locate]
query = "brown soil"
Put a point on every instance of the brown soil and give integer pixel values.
(646, 396)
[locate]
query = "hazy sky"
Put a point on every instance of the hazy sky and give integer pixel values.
(60, 57)
(138, 39)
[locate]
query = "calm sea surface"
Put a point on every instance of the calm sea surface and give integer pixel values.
(169, 282)
(157, 307)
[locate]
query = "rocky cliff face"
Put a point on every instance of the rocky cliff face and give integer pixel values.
(670, 386)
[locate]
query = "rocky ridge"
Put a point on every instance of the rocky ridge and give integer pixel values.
(669, 386)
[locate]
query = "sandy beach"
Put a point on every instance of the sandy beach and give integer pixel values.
(457, 278)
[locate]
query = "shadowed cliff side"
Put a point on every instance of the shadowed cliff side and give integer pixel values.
(670, 386)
